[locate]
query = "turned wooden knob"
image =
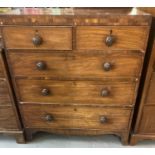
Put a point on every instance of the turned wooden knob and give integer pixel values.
(107, 66)
(109, 40)
(45, 92)
(41, 65)
(105, 92)
(103, 119)
(49, 118)
(37, 40)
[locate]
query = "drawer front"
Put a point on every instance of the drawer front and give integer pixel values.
(150, 98)
(7, 118)
(54, 38)
(118, 37)
(147, 124)
(108, 119)
(4, 93)
(77, 65)
(1, 66)
(88, 92)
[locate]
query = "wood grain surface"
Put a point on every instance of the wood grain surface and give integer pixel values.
(4, 93)
(75, 117)
(147, 125)
(7, 118)
(84, 92)
(54, 38)
(1, 67)
(93, 37)
(68, 65)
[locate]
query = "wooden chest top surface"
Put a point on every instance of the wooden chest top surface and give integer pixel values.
(73, 16)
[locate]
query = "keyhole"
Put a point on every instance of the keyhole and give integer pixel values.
(110, 32)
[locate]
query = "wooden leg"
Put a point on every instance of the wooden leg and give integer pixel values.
(19, 135)
(125, 138)
(29, 134)
(133, 140)
(20, 139)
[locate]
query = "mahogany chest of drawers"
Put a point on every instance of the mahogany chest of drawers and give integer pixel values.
(144, 125)
(76, 71)
(9, 120)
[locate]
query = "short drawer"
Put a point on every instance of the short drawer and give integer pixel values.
(111, 37)
(115, 64)
(54, 38)
(4, 93)
(147, 123)
(1, 66)
(81, 92)
(47, 116)
(7, 118)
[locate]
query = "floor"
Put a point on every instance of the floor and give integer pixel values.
(45, 140)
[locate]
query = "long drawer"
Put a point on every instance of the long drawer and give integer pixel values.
(22, 37)
(82, 92)
(111, 37)
(47, 116)
(4, 93)
(7, 118)
(114, 64)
